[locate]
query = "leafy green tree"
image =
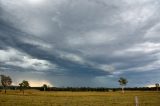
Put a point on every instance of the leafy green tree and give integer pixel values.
(45, 87)
(23, 85)
(122, 81)
(6, 81)
(157, 86)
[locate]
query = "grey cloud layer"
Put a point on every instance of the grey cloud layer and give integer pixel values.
(83, 42)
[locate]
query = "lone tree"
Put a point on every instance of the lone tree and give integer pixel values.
(23, 85)
(157, 86)
(122, 81)
(6, 81)
(45, 87)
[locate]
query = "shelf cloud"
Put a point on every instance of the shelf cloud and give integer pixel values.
(81, 42)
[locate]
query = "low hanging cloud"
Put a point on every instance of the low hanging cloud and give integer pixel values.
(16, 58)
(82, 42)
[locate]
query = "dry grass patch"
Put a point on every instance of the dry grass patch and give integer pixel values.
(40, 98)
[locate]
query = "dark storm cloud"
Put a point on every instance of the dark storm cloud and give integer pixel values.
(82, 42)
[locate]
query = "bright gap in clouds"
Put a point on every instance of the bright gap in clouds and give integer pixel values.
(35, 83)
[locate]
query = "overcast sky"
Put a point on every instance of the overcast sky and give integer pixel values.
(80, 42)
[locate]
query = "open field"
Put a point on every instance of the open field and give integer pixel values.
(40, 98)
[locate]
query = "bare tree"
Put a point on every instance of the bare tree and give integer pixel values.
(23, 85)
(6, 81)
(122, 81)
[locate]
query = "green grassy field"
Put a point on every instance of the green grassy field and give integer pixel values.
(40, 98)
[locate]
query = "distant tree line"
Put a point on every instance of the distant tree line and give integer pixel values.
(6, 82)
(101, 89)
(76, 89)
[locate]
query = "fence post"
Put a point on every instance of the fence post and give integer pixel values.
(136, 101)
